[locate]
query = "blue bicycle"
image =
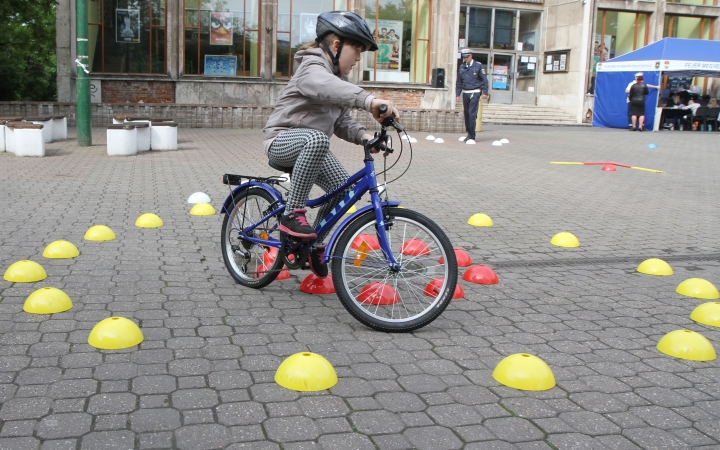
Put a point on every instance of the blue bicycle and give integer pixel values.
(393, 269)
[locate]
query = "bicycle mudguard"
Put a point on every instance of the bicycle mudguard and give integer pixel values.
(247, 185)
(339, 230)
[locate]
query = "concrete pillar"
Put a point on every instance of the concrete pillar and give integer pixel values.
(585, 56)
(64, 51)
(268, 36)
(174, 41)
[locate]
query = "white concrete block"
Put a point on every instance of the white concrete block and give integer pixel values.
(47, 123)
(59, 128)
(122, 140)
(29, 141)
(2, 137)
(9, 138)
(164, 136)
(143, 135)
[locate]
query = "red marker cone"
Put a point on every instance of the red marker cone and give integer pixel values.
(377, 293)
(370, 240)
(609, 168)
(314, 285)
(433, 287)
(481, 275)
(283, 275)
(463, 259)
(414, 247)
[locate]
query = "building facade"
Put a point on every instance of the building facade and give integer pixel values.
(224, 52)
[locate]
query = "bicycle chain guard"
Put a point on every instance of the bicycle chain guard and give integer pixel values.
(297, 249)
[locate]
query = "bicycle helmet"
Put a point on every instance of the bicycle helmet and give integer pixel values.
(347, 25)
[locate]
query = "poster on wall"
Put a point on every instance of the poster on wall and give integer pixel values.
(308, 22)
(127, 26)
(221, 65)
(389, 37)
(221, 28)
(500, 77)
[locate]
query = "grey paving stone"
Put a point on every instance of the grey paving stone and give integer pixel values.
(575, 441)
(513, 429)
(391, 442)
(161, 440)
(194, 398)
(324, 406)
(454, 415)
(346, 440)
(161, 419)
(291, 429)
(112, 403)
(154, 384)
(20, 443)
(60, 444)
(589, 423)
(654, 438)
(244, 413)
(57, 426)
(376, 422)
(25, 408)
(432, 437)
(109, 440)
(202, 437)
(531, 408)
(401, 402)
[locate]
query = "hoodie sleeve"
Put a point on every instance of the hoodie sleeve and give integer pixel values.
(319, 86)
(348, 129)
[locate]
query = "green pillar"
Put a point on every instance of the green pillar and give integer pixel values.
(82, 83)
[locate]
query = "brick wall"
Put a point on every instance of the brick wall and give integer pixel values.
(116, 91)
(401, 98)
(226, 116)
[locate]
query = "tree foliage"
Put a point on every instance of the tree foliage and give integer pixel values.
(27, 58)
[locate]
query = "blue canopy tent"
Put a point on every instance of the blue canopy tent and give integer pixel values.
(669, 56)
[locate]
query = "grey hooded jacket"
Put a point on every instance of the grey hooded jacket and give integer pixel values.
(315, 98)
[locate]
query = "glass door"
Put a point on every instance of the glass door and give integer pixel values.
(525, 79)
(501, 78)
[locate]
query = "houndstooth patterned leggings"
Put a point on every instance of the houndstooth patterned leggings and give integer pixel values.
(309, 151)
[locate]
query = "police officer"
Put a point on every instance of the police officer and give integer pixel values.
(473, 85)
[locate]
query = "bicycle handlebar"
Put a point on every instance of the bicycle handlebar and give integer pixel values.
(379, 141)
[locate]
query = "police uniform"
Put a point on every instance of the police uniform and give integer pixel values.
(471, 84)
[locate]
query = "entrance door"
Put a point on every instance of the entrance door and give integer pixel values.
(525, 76)
(501, 78)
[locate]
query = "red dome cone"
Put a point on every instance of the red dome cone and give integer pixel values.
(377, 293)
(370, 240)
(314, 285)
(283, 275)
(433, 287)
(414, 247)
(481, 275)
(609, 168)
(270, 255)
(463, 259)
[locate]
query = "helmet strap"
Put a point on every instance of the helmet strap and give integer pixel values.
(336, 57)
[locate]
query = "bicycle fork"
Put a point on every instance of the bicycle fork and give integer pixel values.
(380, 227)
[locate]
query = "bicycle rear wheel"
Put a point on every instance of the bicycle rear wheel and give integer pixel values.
(250, 264)
(384, 299)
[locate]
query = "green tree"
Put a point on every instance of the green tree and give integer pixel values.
(27, 58)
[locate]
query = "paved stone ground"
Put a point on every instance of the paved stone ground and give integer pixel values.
(203, 377)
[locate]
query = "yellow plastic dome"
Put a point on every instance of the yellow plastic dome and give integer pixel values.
(698, 288)
(687, 344)
(707, 314)
(655, 266)
(99, 233)
(525, 372)
(480, 220)
(61, 250)
(115, 333)
(25, 272)
(351, 210)
(306, 372)
(149, 220)
(565, 239)
(202, 209)
(48, 300)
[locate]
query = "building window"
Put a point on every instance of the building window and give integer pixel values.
(504, 30)
(479, 20)
(688, 27)
(696, 2)
(222, 38)
(296, 26)
(126, 36)
(402, 31)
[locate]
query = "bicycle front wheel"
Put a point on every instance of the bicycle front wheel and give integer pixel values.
(250, 264)
(389, 300)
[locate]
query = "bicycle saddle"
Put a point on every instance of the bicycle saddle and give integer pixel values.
(280, 168)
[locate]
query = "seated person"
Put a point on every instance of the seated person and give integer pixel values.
(713, 103)
(704, 100)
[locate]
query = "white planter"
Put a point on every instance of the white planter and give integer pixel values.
(29, 141)
(143, 135)
(9, 139)
(119, 119)
(2, 137)
(59, 126)
(122, 140)
(47, 123)
(164, 136)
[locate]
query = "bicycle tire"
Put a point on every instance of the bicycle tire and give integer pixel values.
(259, 275)
(363, 296)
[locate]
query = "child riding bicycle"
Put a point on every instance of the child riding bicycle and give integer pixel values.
(316, 104)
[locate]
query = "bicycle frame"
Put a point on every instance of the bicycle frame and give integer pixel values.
(362, 182)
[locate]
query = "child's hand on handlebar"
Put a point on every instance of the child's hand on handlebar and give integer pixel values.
(375, 106)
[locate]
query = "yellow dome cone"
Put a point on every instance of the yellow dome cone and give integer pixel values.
(202, 209)
(480, 220)
(565, 239)
(25, 272)
(698, 288)
(47, 300)
(525, 372)
(351, 210)
(99, 233)
(655, 266)
(115, 333)
(306, 372)
(686, 344)
(707, 314)
(149, 220)
(61, 250)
